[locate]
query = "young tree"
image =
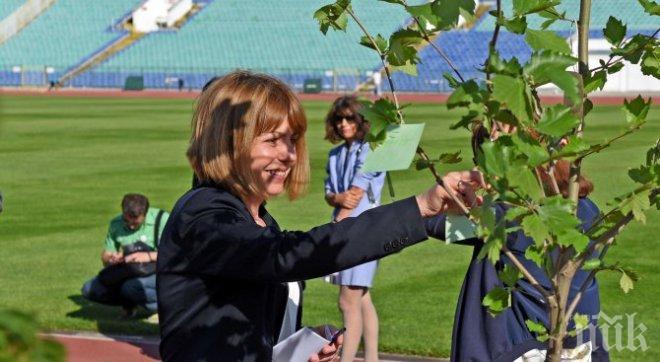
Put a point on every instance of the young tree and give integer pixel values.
(515, 165)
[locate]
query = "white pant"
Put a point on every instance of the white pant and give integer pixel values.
(581, 353)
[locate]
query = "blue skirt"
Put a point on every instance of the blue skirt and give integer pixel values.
(358, 276)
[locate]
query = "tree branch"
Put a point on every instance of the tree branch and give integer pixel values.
(381, 54)
(620, 59)
(420, 150)
(516, 262)
(437, 49)
(493, 41)
(606, 240)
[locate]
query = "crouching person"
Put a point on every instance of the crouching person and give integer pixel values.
(129, 257)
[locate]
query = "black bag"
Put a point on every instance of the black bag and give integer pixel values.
(115, 275)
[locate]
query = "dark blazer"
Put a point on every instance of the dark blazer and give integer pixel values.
(221, 277)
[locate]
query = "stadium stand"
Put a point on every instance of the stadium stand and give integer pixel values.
(273, 36)
(67, 33)
(469, 48)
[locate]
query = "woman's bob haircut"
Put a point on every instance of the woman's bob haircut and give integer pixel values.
(231, 112)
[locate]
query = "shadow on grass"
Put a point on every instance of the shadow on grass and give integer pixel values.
(110, 323)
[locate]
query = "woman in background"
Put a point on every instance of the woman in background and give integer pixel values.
(351, 191)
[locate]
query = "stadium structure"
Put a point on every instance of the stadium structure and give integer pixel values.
(180, 44)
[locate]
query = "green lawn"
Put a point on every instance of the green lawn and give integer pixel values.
(66, 162)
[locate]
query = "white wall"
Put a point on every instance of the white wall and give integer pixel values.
(152, 15)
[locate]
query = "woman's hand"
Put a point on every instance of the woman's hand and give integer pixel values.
(347, 200)
(139, 257)
(342, 214)
(461, 183)
(330, 352)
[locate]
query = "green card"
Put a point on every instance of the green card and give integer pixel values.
(398, 150)
(459, 227)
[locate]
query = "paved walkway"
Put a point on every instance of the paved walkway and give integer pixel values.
(84, 347)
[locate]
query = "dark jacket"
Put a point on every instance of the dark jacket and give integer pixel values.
(477, 336)
(221, 291)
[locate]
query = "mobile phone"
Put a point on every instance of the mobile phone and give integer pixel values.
(336, 335)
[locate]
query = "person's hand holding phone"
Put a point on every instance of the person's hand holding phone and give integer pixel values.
(331, 351)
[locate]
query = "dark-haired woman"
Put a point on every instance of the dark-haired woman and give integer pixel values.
(350, 192)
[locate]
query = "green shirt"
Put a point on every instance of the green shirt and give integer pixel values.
(119, 235)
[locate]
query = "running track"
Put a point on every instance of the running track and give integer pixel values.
(85, 347)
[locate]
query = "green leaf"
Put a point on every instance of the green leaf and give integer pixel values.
(424, 14)
(516, 25)
(378, 39)
(399, 2)
(614, 31)
(493, 158)
(509, 275)
(595, 81)
(587, 106)
(466, 120)
(650, 7)
(651, 62)
(633, 49)
(535, 254)
(546, 39)
(642, 174)
(549, 66)
(636, 203)
(380, 114)
(453, 82)
(535, 228)
(581, 321)
(592, 264)
(333, 16)
(422, 164)
(535, 327)
(557, 214)
(402, 47)
(557, 121)
(497, 300)
(572, 237)
(568, 83)
(653, 154)
(514, 213)
(523, 7)
(510, 91)
(465, 94)
(576, 146)
(636, 110)
(448, 12)
(627, 281)
(522, 179)
(450, 158)
(531, 148)
(498, 65)
(408, 68)
(614, 68)
(542, 64)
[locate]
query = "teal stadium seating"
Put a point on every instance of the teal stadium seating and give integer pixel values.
(65, 34)
(274, 36)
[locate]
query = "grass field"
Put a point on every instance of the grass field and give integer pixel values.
(66, 162)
